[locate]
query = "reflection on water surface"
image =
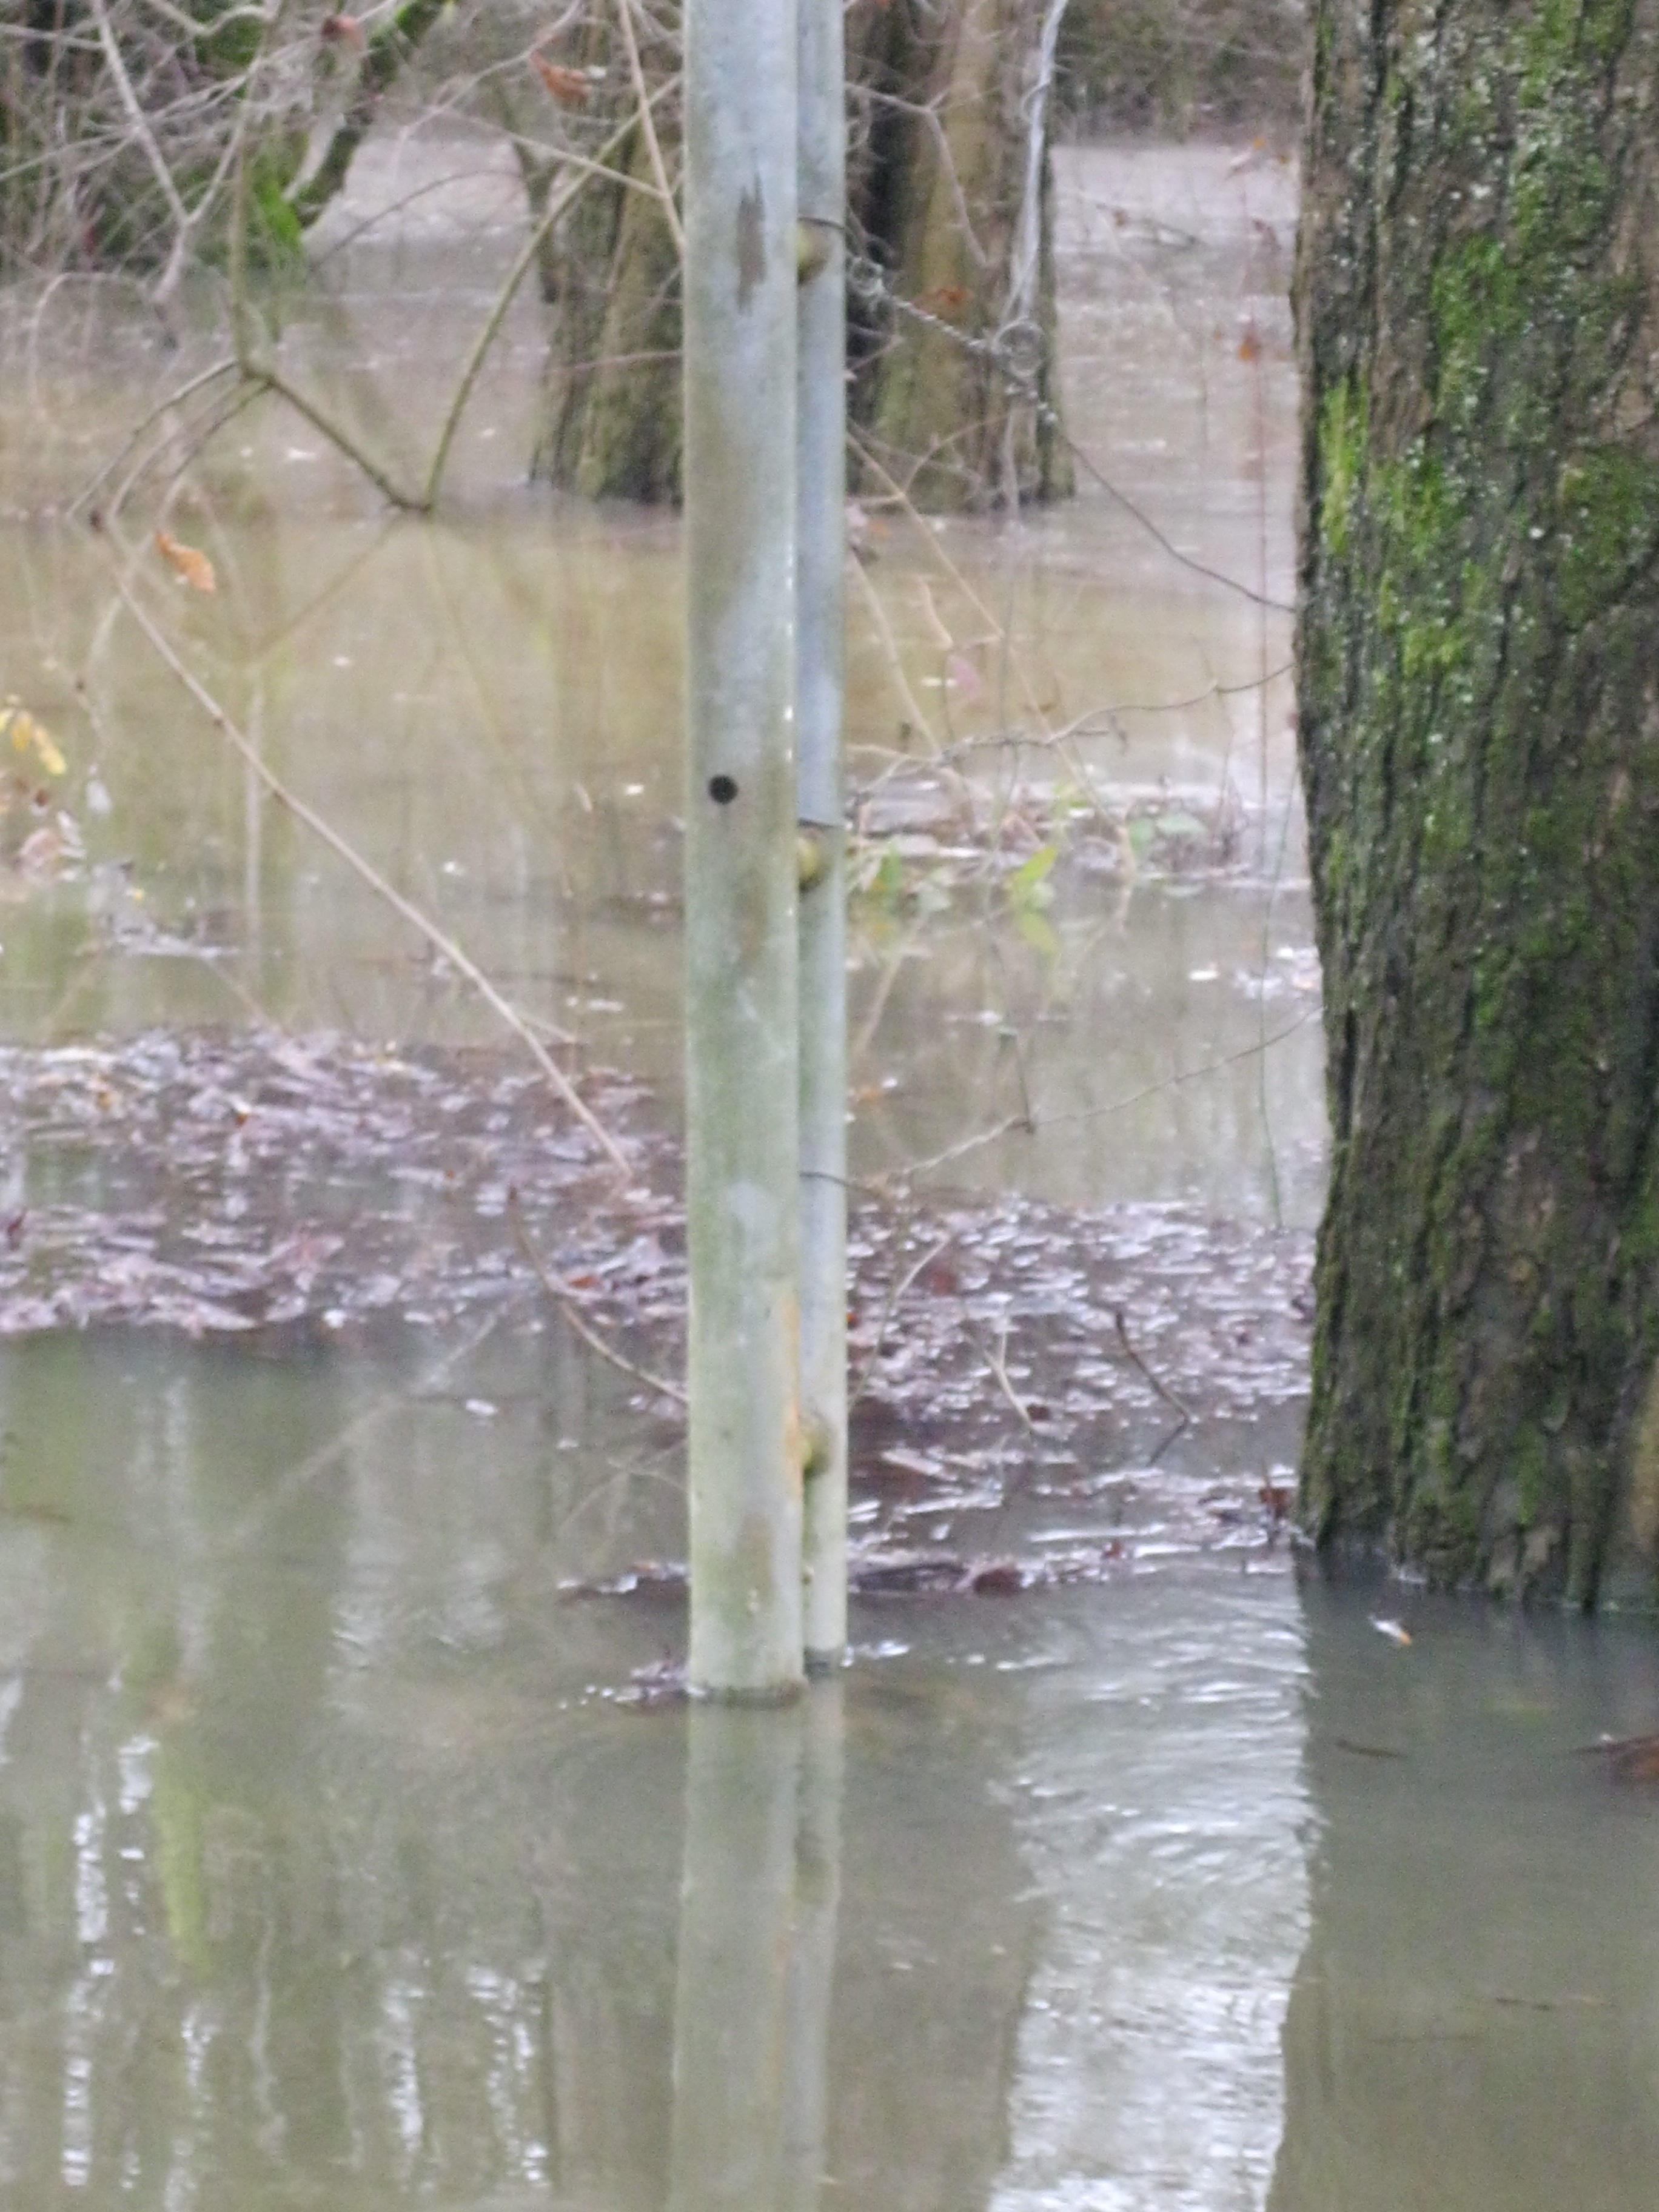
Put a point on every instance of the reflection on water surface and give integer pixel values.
(346, 1858)
(335, 1866)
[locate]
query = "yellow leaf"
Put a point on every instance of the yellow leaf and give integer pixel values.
(190, 566)
(25, 732)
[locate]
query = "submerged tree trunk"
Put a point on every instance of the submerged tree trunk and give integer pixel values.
(951, 264)
(612, 421)
(957, 394)
(1478, 671)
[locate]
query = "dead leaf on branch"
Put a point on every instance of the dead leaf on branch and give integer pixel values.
(190, 565)
(343, 30)
(569, 86)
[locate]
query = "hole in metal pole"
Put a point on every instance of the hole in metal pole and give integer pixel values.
(722, 789)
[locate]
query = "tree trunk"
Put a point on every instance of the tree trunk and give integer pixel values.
(611, 422)
(958, 393)
(952, 346)
(1478, 672)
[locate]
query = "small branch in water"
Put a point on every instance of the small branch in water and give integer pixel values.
(229, 366)
(377, 882)
(336, 433)
(1013, 1125)
(895, 1293)
(996, 1361)
(1186, 559)
(1162, 1388)
(565, 1298)
(883, 631)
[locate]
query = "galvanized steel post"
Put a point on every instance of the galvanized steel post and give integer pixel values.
(742, 1105)
(821, 539)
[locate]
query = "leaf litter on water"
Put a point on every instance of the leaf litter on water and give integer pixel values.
(1017, 1365)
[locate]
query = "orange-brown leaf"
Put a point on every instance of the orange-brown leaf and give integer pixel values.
(188, 564)
(345, 28)
(569, 86)
(1250, 346)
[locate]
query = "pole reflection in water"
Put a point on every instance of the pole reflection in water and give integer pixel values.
(756, 1953)
(812, 1950)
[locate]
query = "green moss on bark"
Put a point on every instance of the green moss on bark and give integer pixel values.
(1477, 655)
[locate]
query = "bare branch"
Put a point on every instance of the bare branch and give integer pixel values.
(367, 873)
(564, 1297)
(648, 125)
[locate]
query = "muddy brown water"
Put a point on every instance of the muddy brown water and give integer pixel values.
(350, 1853)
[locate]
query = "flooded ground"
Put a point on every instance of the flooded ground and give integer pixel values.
(353, 1851)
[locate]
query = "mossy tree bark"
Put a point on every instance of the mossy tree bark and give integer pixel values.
(611, 422)
(1477, 670)
(953, 347)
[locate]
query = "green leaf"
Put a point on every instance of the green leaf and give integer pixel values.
(1027, 887)
(1038, 931)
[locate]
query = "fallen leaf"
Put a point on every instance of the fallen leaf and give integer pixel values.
(569, 86)
(344, 30)
(997, 1578)
(1250, 346)
(190, 566)
(25, 732)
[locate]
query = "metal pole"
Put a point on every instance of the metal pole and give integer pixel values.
(742, 1076)
(821, 485)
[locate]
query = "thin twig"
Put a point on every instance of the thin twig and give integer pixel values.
(896, 1290)
(136, 116)
(564, 1297)
(1015, 1124)
(924, 112)
(377, 882)
(225, 367)
(647, 123)
(919, 721)
(558, 204)
(997, 1364)
(1162, 1388)
(1186, 559)
(1018, 1124)
(335, 433)
(1185, 1075)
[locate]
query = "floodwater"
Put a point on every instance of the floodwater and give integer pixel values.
(353, 1853)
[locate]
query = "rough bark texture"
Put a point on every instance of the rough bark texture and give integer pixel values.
(957, 390)
(611, 427)
(1477, 665)
(956, 393)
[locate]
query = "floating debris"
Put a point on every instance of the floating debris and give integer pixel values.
(1011, 1360)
